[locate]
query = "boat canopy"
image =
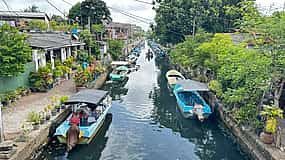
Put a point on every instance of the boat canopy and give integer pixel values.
(191, 85)
(174, 73)
(90, 96)
(122, 68)
(120, 63)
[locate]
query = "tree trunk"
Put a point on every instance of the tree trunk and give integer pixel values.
(278, 93)
(89, 50)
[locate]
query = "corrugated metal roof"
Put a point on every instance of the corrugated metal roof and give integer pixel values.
(51, 40)
(21, 14)
(118, 25)
(91, 96)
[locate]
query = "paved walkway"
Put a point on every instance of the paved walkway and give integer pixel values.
(16, 115)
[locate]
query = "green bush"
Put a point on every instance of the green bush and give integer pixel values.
(216, 87)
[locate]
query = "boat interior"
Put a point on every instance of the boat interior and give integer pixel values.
(119, 72)
(177, 77)
(190, 98)
(88, 113)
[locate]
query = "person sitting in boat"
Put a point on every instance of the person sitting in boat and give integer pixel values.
(83, 118)
(74, 120)
(92, 116)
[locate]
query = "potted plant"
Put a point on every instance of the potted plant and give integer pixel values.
(57, 108)
(271, 113)
(62, 100)
(6, 101)
(81, 78)
(53, 110)
(18, 93)
(47, 113)
(42, 117)
(34, 118)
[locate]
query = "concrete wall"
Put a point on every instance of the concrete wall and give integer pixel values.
(11, 83)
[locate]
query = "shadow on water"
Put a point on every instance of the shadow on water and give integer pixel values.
(116, 89)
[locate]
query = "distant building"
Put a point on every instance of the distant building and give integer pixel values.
(120, 31)
(20, 18)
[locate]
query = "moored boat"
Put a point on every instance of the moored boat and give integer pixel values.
(93, 105)
(132, 59)
(172, 77)
(119, 73)
(190, 103)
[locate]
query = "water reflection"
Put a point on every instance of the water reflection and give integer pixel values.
(147, 124)
(117, 89)
(208, 138)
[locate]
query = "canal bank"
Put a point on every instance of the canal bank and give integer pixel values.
(246, 137)
(22, 142)
(146, 124)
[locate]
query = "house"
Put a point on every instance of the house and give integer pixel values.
(238, 38)
(118, 31)
(20, 18)
(51, 46)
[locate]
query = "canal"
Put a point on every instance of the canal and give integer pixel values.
(146, 125)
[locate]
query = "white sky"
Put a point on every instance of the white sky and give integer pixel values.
(131, 6)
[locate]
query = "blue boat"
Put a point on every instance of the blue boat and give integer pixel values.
(95, 103)
(119, 73)
(190, 103)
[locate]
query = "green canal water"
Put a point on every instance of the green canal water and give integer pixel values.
(145, 124)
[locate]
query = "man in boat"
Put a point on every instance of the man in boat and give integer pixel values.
(198, 109)
(73, 132)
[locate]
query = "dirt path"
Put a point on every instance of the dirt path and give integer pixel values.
(15, 116)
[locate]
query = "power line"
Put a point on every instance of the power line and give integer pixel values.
(9, 9)
(67, 2)
(149, 3)
(147, 19)
(55, 7)
(144, 21)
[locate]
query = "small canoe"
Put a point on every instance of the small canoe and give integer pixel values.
(97, 102)
(119, 73)
(172, 77)
(189, 101)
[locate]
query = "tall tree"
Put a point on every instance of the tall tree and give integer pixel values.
(174, 19)
(32, 8)
(97, 10)
(74, 12)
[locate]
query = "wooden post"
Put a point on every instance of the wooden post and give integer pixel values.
(1, 125)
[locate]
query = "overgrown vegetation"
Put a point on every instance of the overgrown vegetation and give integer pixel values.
(244, 79)
(115, 48)
(14, 51)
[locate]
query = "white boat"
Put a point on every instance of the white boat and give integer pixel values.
(172, 77)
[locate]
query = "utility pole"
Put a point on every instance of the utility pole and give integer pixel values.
(194, 26)
(1, 125)
(89, 23)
